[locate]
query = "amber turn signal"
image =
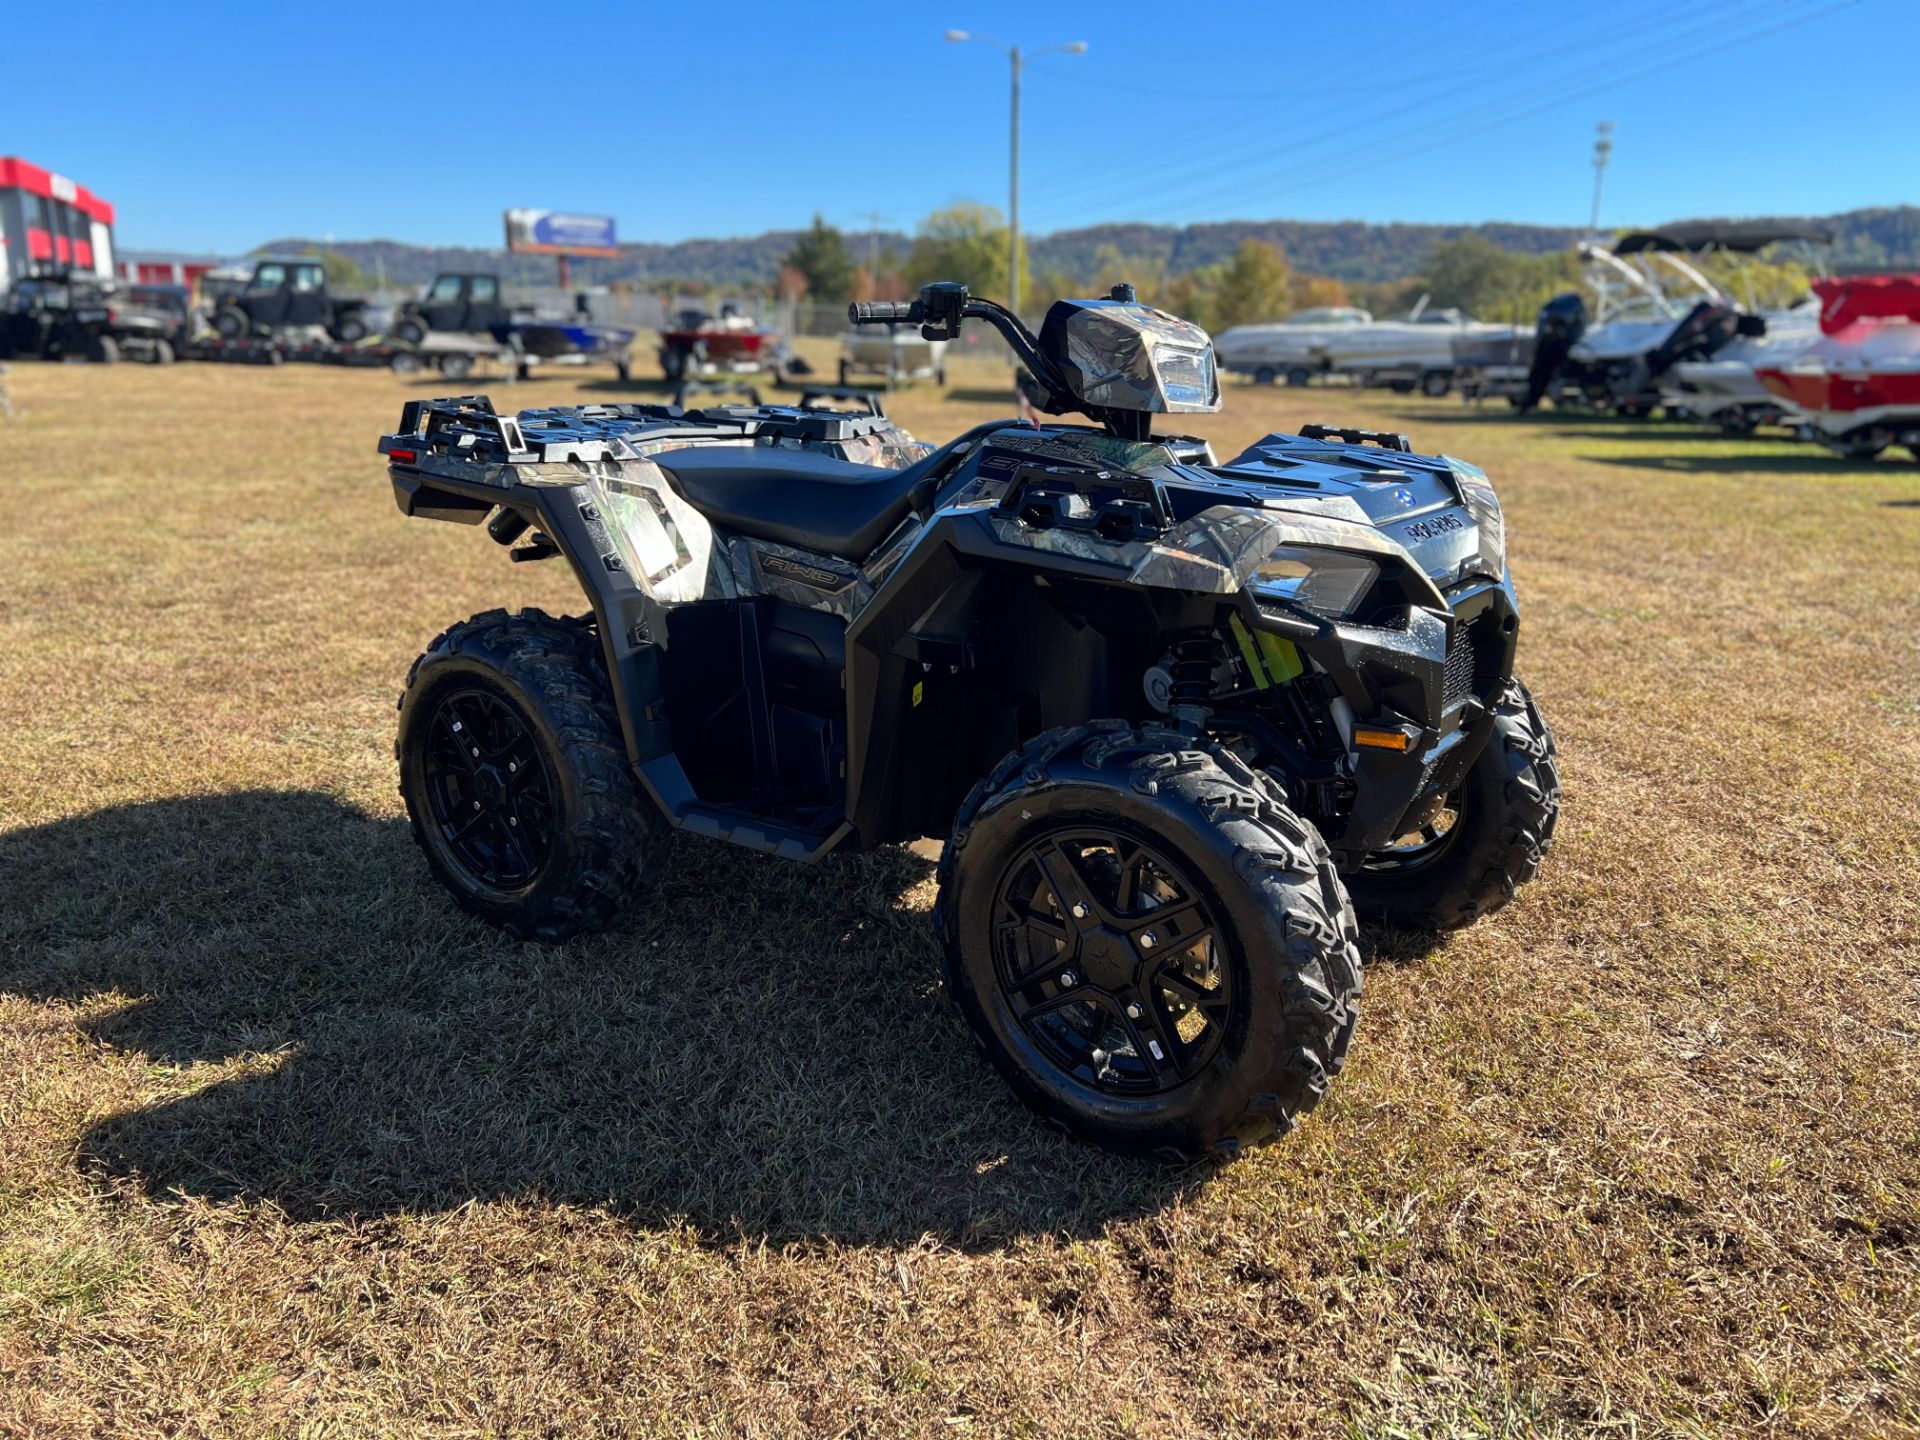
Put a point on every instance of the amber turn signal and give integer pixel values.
(1381, 739)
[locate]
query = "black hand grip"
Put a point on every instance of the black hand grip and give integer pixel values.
(871, 312)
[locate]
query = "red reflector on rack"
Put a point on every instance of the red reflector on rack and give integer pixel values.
(406, 457)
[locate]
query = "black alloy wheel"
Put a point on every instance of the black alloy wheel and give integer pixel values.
(1109, 958)
(488, 789)
(1422, 848)
(1486, 839)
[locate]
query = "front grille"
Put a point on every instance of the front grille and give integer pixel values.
(1462, 655)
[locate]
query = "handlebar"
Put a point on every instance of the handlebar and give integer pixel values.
(875, 312)
(939, 311)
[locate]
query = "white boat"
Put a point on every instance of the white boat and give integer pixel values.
(896, 352)
(1293, 349)
(1416, 350)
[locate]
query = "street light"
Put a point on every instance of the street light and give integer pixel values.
(1602, 153)
(1013, 54)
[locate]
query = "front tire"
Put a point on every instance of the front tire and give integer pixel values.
(1151, 948)
(1485, 845)
(516, 780)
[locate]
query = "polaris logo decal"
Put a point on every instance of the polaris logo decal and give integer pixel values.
(812, 576)
(1405, 497)
(1438, 525)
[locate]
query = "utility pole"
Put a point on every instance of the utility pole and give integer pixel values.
(874, 221)
(1602, 153)
(1018, 61)
(1013, 191)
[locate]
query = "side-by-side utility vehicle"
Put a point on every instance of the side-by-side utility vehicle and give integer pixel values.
(1176, 721)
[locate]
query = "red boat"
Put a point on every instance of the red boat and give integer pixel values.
(729, 343)
(1860, 382)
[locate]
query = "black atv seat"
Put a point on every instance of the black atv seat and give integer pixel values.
(794, 497)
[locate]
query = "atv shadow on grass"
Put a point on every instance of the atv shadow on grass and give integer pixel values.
(776, 1059)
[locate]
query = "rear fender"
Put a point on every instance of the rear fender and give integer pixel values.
(629, 620)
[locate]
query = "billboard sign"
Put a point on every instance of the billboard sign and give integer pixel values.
(560, 232)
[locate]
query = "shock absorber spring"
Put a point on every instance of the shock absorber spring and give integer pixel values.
(1196, 653)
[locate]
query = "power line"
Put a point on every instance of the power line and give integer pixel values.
(1431, 142)
(1639, 31)
(1443, 84)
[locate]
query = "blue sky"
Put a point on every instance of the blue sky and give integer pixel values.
(423, 124)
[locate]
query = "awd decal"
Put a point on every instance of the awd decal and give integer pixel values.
(813, 576)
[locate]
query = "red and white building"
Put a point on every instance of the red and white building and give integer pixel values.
(49, 224)
(159, 267)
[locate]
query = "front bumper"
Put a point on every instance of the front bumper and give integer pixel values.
(1435, 682)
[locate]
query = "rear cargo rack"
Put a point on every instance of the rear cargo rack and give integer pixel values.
(464, 424)
(466, 427)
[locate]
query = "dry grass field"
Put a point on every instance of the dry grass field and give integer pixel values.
(289, 1146)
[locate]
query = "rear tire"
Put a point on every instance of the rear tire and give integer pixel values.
(412, 331)
(1298, 376)
(456, 366)
(163, 352)
(106, 350)
(231, 322)
(1435, 383)
(1253, 993)
(1504, 814)
(350, 330)
(1264, 375)
(561, 841)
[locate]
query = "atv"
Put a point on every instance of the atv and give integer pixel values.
(81, 317)
(1176, 721)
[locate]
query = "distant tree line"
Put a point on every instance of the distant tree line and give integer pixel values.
(1218, 273)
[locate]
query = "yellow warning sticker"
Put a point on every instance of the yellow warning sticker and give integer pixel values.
(919, 691)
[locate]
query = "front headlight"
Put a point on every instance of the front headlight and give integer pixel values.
(1476, 493)
(1186, 376)
(1327, 582)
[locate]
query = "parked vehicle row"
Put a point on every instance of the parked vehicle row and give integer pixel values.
(280, 308)
(1840, 366)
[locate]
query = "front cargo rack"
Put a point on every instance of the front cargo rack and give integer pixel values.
(1385, 439)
